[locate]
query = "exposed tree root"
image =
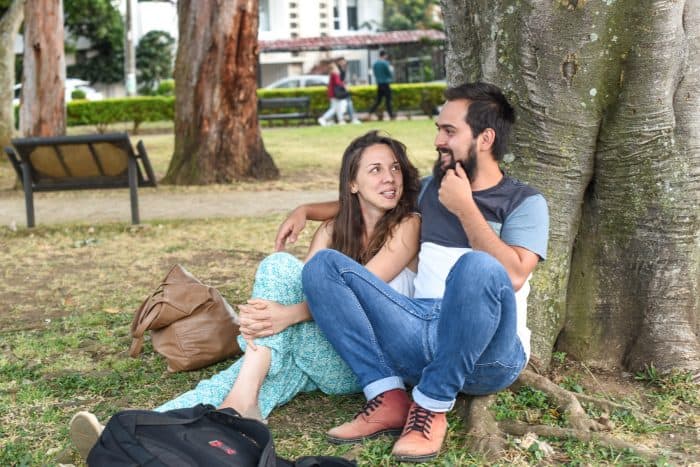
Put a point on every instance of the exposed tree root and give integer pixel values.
(610, 406)
(488, 437)
(564, 399)
(484, 434)
(520, 429)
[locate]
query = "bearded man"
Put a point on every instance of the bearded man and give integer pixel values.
(465, 329)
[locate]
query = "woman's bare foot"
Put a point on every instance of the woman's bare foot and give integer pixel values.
(251, 411)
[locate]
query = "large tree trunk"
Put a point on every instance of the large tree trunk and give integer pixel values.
(217, 135)
(9, 25)
(43, 110)
(608, 97)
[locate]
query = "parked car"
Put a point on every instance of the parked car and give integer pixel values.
(72, 84)
(299, 81)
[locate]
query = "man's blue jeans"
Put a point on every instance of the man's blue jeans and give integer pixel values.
(465, 341)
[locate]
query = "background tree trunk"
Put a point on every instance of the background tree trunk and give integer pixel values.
(9, 25)
(43, 110)
(217, 135)
(608, 98)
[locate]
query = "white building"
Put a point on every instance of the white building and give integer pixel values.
(287, 19)
(296, 19)
(279, 19)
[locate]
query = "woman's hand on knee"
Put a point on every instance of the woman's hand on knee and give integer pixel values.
(262, 318)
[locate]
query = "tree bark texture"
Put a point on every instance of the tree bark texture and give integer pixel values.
(608, 100)
(9, 25)
(217, 135)
(43, 109)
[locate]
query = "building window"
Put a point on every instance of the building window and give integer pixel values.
(352, 15)
(264, 15)
(336, 15)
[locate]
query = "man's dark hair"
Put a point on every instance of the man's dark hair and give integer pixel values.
(382, 53)
(488, 108)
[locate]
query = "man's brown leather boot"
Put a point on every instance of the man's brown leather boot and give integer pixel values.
(385, 414)
(422, 436)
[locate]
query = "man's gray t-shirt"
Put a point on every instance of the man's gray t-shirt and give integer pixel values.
(516, 212)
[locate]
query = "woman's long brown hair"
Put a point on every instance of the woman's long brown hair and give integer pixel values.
(349, 226)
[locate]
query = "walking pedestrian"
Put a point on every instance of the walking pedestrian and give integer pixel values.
(384, 76)
(337, 95)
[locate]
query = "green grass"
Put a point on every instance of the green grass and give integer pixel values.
(64, 327)
(68, 293)
(308, 157)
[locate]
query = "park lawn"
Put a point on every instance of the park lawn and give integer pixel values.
(68, 294)
(308, 157)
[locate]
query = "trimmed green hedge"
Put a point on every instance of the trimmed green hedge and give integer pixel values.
(408, 98)
(131, 109)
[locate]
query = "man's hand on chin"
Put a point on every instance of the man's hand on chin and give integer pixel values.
(455, 189)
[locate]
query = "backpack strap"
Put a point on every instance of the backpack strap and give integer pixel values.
(323, 461)
(424, 182)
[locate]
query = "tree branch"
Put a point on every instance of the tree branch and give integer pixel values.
(10, 21)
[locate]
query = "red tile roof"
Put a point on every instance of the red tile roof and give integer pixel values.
(360, 41)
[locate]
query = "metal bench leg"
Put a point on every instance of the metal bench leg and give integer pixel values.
(133, 186)
(28, 194)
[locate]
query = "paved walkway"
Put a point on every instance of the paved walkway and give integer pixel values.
(113, 205)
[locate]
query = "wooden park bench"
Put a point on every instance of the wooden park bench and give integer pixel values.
(284, 108)
(80, 162)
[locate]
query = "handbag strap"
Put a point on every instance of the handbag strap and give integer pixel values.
(142, 320)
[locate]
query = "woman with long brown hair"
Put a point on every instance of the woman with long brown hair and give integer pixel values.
(377, 226)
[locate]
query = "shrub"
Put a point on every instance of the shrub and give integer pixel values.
(77, 94)
(408, 98)
(108, 111)
(166, 88)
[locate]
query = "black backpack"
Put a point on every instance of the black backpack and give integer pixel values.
(197, 436)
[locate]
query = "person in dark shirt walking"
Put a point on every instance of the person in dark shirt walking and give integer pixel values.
(384, 76)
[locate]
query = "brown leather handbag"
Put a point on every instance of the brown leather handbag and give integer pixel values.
(191, 324)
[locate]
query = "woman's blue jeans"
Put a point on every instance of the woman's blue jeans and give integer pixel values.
(464, 342)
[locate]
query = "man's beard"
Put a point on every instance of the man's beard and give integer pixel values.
(469, 165)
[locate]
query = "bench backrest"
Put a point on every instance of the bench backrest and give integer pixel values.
(282, 102)
(81, 161)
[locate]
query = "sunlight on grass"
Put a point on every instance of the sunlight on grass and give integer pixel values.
(308, 157)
